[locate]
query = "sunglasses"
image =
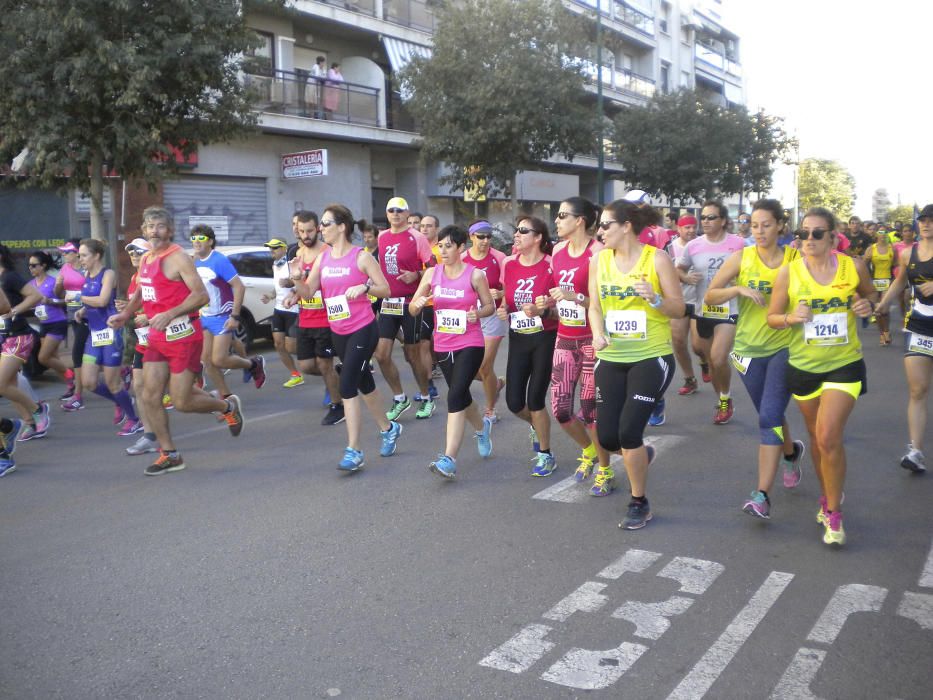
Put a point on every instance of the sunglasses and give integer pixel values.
(135, 251)
(483, 236)
(710, 218)
(327, 222)
(395, 210)
(199, 239)
(35, 264)
(564, 214)
(817, 233)
(604, 225)
(745, 221)
(524, 229)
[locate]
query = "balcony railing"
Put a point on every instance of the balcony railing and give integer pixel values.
(408, 13)
(624, 13)
(710, 55)
(620, 79)
(366, 7)
(300, 95)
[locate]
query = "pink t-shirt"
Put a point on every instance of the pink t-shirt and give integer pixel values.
(453, 298)
(524, 283)
(337, 276)
(573, 275)
(408, 251)
(492, 266)
(656, 236)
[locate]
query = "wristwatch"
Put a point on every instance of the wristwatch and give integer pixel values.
(658, 300)
(580, 299)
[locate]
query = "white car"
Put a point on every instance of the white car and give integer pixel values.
(253, 263)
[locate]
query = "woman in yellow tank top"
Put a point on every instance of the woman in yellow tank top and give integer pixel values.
(880, 256)
(819, 295)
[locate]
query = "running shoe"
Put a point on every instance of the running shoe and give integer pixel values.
(545, 464)
(259, 371)
(390, 439)
(119, 415)
(43, 419)
(724, 412)
(445, 466)
(293, 381)
(657, 415)
(167, 402)
(834, 532)
(7, 465)
(398, 408)
(334, 415)
(352, 460)
(234, 415)
(432, 390)
(821, 513)
(792, 471)
(914, 460)
(69, 390)
(326, 401)
(604, 483)
(483, 440)
(131, 427)
(690, 387)
(73, 405)
(535, 445)
(586, 467)
(704, 373)
(10, 438)
(491, 414)
(637, 515)
(426, 410)
(142, 446)
(758, 505)
(165, 464)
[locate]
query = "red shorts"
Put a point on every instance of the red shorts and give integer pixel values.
(18, 346)
(181, 355)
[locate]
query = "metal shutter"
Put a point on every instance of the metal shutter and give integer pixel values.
(242, 200)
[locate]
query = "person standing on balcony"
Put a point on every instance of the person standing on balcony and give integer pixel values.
(332, 89)
(318, 74)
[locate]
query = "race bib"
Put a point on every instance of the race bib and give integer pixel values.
(142, 335)
(451, 321)
(73, 299)
(41, 313)
(627, 324)
(315, 303)
(571, 313)
(740, 363)
(921, 343)
(716, 311)
(338, 308)
(102, 337)
(882, 284)
(147, 293)
(520, 323)
(179, 328)
(827, 329)
(393, 306)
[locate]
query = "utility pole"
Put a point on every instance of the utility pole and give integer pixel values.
(599, 103)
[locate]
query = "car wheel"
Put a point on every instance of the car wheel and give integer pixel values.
(247, 331)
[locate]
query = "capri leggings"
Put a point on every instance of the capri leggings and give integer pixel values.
(79, 340)
(626, 393)
(573, 362)
(528, 371)
(766, 382)
(355, 351)
(460, 368)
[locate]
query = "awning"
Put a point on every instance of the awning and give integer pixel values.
(401, 52)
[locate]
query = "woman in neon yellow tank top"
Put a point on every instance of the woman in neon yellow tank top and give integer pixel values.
(880, 256)
(634, 292)
(819, 295)
(760, 354)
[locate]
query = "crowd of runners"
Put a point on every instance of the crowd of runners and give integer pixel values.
(597, 318)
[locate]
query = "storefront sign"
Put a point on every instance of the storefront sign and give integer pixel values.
(304, 164)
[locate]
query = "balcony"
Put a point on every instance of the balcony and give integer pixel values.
(296, 94)
(619, 79)
(623, 13)
(414, 14)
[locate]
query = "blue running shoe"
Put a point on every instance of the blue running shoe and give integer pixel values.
(7, 465)
(326, 402)
(445, 466)
(657, 415)
(390, 439)
(535, 445)
(352, 460)
(545, 465)
(432, 390)
(483, 441)
(9, 439)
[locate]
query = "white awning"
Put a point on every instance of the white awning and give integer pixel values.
(401, 52)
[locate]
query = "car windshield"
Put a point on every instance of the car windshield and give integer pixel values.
(252, 264)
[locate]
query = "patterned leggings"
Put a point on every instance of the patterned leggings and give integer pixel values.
(573, 362)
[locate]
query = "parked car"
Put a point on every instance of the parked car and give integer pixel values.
(253, 263)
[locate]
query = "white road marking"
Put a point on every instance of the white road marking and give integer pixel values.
(926, 578)
(522, 651)
(702, 676)
(634, 560)
(650, 619)
(587, 598)
(795, 683)
(590, 670)
(917, 607)
(693, 575)
(222, 426)
(848, 599)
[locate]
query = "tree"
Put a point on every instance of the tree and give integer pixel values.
(501, 92)
(97, 86)
(902, 212)
(825, 183)
(769, 144)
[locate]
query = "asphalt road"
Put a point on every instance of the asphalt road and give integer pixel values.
(262, 572)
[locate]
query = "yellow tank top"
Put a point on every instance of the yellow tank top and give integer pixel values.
(831, 339)
(753, 336)
(881, 276)
(635, 331)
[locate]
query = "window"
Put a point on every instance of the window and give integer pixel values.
(685, 79)
(257, 264)
(261, 59)
(665, 78)
(627, 61)
(665, 17)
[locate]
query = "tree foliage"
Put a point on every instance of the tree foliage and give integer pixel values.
(902, 212)
(502, 90)
(683, 147)
(95, 85)
(825, 183)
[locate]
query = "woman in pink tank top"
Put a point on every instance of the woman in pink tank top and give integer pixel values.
(461, 298)
(345, 274)
(68, 286)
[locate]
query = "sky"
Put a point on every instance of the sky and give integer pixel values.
(854, 82)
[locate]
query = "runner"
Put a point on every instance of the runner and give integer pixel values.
(681, 327)
(916, 271)
(532, 335)
(637, 291)
(315, 339)
(284, 319)
(171, 293)
(819, 295)
(17, 346)
(220, 317)
(760, 355)
(403, 255)
(429, 225)
(461, 298)
(715, 324)
(68, 286)
(880, 258)
(50, 312)
(345, 274)
(10, 428)
(908, 240)
(573, 351)
(490, 262)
